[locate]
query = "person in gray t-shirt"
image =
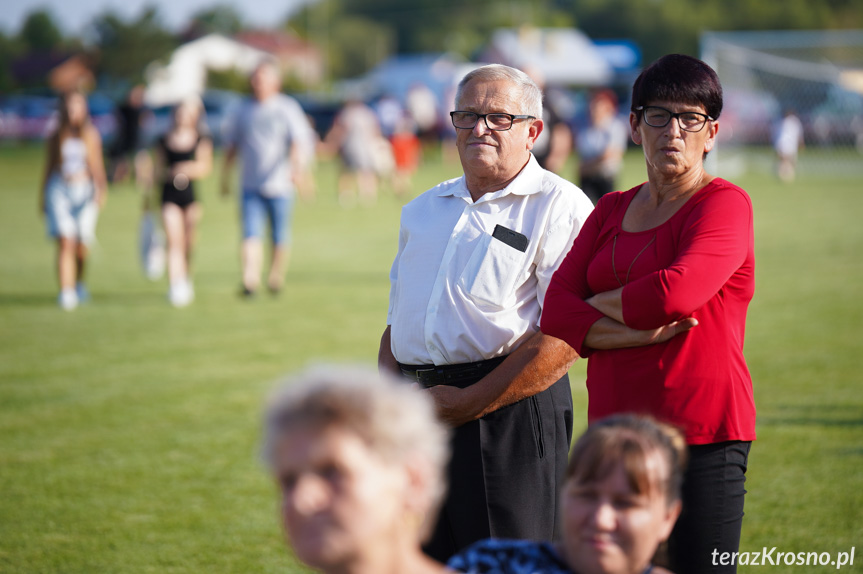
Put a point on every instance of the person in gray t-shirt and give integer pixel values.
(269, 132)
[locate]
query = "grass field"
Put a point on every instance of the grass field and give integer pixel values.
(128, 429)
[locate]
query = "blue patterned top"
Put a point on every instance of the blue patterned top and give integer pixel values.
(495, 556)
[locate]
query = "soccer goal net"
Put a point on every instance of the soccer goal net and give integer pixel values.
(815, 75)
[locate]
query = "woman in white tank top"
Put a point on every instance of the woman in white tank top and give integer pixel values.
(73, 189)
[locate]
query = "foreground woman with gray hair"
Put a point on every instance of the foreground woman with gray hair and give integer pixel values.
(359, 460)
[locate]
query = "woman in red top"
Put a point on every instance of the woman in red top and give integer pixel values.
(655, 292)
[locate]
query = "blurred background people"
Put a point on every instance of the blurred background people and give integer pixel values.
(554, 144)
(620, 500)
(655, 292)
(422, 107)
(270, 133)
(73, 189)
(407, 151)
(600, 144)
(359, 460)
(356, 137)
(183, 154)
(306, 162)
(390, 113)
(128, 151)
(787, 141)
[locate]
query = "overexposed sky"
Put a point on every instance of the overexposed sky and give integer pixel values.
(73, 15)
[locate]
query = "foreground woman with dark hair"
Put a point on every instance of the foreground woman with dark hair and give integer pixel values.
(619, 502)
(655, 292)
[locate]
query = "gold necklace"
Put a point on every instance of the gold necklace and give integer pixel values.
(614, 267)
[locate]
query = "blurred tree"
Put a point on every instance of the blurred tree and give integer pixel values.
(233, 80)
(220, 19)
(39, 33)
(666, 26)
(126, 48)
(658, 26)
(360, 43)
(433, 25)
(351, 44)
(9, 49)
(357, 34)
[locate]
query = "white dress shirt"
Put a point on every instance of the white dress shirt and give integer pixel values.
(460, 295)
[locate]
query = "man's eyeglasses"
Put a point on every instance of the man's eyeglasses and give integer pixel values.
(657, 117)
(496, 122)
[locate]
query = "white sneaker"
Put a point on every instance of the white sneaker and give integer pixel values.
(68, 299)
(179, 295)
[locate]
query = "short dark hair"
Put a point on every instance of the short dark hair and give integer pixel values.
(630, 439)
(678, 78)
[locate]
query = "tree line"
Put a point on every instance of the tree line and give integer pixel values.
(354, 35)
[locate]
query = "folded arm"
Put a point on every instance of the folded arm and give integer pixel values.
(589, 321)
(714, 246)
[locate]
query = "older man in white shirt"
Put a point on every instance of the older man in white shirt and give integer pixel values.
(475, 258)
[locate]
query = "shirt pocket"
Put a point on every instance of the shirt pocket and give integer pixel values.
(491, 272)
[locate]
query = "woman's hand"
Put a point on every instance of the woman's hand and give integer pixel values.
(610, 334)
(666, 332)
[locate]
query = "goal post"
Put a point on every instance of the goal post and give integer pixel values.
(816, 75)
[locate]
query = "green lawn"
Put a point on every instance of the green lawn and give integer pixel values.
(129, 429)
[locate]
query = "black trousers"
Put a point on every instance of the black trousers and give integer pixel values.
(506, 474)
(713, 491)
(595, 186)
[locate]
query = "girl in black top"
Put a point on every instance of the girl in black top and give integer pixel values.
(183, 155)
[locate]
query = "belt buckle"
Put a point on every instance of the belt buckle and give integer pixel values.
(423, 380)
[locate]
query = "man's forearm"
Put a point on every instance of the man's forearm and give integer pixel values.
(532, 368)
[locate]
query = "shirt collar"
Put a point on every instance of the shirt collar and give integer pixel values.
(525, 183)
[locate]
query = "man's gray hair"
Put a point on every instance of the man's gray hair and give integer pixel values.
(271, 62)
(528, 94)
(396, 420)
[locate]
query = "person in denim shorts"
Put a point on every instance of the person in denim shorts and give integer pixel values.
(73, 189)
(269, 132)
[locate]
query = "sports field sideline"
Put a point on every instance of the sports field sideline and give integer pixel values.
(129, 429)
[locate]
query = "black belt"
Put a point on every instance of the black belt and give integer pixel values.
(461, 375)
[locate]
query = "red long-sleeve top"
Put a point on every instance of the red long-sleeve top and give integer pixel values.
(700, 263)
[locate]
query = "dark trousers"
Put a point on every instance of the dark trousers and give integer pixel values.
(506, 473)
(595, 186)
(713, 491)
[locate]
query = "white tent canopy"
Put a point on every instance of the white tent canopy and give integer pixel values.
(186, 72)
(563, 56)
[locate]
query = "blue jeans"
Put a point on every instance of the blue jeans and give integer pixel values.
(713, 491)
(255, 208)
